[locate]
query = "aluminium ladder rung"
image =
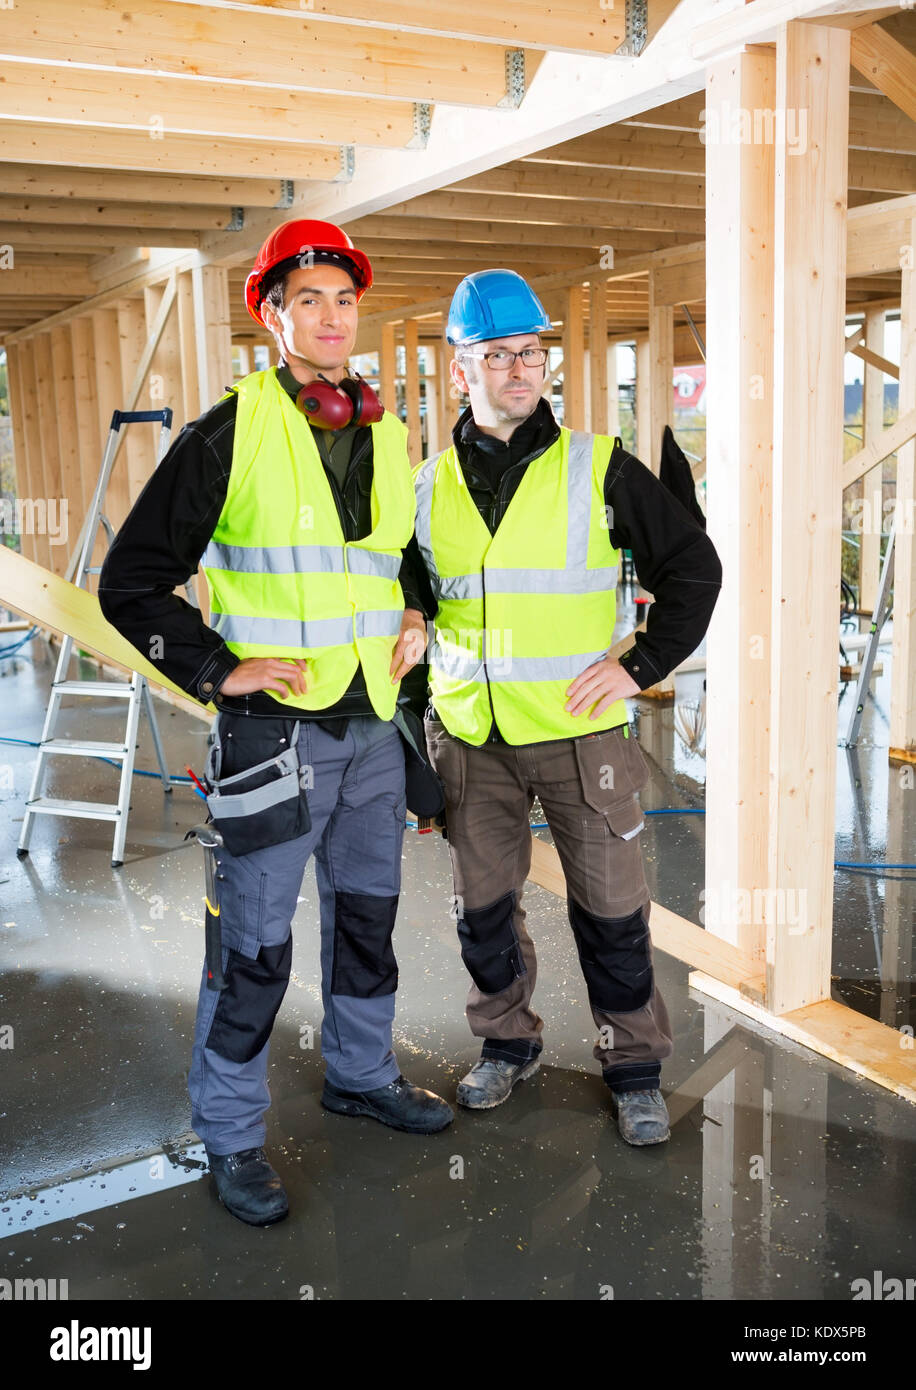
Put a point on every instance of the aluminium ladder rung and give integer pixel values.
(86, 750)
(91, 810)
(122, 689)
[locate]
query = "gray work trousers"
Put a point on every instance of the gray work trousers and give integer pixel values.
(357, 807)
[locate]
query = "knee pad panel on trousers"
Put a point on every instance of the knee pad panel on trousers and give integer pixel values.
(489, 945)
(248, 1005)
(364, 963)
(615, 956)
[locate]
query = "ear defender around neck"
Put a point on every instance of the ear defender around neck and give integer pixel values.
(331, 405)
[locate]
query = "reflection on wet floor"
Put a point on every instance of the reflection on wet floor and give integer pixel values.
(785, 1175)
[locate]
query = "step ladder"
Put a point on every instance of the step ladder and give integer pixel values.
(880, 615)
(135, 692)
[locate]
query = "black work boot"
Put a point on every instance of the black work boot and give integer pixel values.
(249, 1187)
(399, 1104)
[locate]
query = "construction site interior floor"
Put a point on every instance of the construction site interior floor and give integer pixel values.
(785, 1177)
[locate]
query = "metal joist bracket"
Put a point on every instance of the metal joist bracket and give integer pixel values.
(236, 220)
(637, 29)
(285, 199)
(422, 120)
(347, 164)
(515, 78)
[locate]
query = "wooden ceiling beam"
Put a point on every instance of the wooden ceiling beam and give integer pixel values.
(874, 121)
(868, 169)
(98, 239)
(25, 181)
(400, 224)
(25, 280)
(562, 181)
(289, 50)
(558, 211)
(564, 25)
(79, 212)
(161, 105)
(107, 147)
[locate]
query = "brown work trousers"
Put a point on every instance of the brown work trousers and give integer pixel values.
(588, 787)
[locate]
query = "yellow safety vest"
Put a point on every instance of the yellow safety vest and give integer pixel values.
(283, 581)
(524, 611)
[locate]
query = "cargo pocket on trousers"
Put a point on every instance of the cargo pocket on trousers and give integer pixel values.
(611, 768)
(614, 878)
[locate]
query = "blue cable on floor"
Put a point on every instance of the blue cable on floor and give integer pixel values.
(535, 825)
(100, 757)
(17, 646)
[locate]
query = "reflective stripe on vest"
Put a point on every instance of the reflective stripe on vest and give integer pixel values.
(510, 638)
(313, 632)
(574, 578)
(336, 603)
(299, 559)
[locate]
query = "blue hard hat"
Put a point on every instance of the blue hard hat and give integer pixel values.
(494, 304)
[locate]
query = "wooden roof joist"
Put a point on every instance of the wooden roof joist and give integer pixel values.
(76, 212)
(284, 50)
(874, 121)
(617, 186)
(868, 169)
(27, 181)
(562, 25)
(96, 239)
(162, 105)
(401, 224)
(494, 207)
(109, 147)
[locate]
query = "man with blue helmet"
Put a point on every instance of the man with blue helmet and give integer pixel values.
(519, 524)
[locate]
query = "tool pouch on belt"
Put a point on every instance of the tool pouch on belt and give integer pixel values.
(260, 805)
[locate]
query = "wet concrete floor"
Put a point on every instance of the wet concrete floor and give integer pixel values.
(785, 1176)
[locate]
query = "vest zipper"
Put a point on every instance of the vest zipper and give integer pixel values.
(483, 652)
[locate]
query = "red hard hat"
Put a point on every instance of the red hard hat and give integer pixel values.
(298, 238)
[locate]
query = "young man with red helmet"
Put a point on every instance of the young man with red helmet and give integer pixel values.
(294, 493)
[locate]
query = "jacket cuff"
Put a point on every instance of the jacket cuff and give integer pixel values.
(413, 601)
(640, 668)
(212, 674)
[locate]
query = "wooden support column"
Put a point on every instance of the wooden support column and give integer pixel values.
(111, 396)
(412, 387)
(872, 426)
(23, 466)
(88, 436)
(739, 424)
(574, 359)
(812, 81)
(187, 348)
(598, 357)
(213, 332)
(903, 663)
(449, 397)
(50, 442)
(613, 392)
(643, 432)
(433, 428)
(388, 369)
(661, 372)
(139, 440)
(164, 382)
(72, 503)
